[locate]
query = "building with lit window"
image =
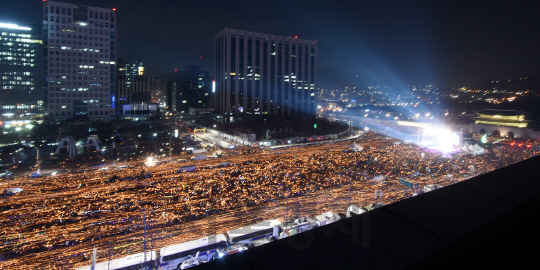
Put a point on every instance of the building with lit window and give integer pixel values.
(195, 88)
(21, 71)
(81, 54)
(158, 90)
(187, 89)
(130, 68)
(504, 118)
(174, 92)
(263, 74)
(132, 85)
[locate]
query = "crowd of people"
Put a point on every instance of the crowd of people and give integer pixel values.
(74, 208)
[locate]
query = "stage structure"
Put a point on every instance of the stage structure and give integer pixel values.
(440, 138)
(66, 146)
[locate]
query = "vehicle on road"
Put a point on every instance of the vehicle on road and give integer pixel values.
(296, 226)
(131, 262)
(207, 247)
(255, 235)
(326, 218)
(354, 210)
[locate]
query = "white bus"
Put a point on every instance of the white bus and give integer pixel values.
(131, 262)
(354, 210)
(171, 257)
(256, 234)
(297, 226)
(326, 218)
(429, 188)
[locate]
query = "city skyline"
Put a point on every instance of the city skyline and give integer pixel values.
(450, 44)
(168, 134)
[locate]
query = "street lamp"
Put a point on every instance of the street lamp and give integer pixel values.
(144, 234)
(37, 160)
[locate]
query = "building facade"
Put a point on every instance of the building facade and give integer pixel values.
(21, 71)
(158, 90)
(263, 74)
(195, 88)
(130, 68)
(189, 88)
(503, 123)
(504, 118)
(174, 93)
(80, 46)
(131, 82)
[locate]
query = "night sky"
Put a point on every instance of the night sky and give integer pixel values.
(449, 43)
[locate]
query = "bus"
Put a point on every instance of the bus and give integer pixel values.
(207, 247)
(326, 218)
(297, 226)
(255, 235)
(131, 262)
(354, 210)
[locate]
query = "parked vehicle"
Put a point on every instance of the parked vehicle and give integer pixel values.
(354, 210)
(297, 226)
(429, 188)
(131, 262)
(255, 235)
(204, 249)
(326, 218)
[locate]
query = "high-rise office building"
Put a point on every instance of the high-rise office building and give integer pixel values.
(263, 74)
(174, 92)
(130, 68)
(132, 85)
(195, 87)
(158, 90)
(189, 88)
(80, 45)
(21, 71)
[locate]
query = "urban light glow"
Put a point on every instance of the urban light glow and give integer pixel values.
(440, 138)
(14, 26)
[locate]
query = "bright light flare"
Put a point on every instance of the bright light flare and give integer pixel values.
(440, 138)
(150, 161)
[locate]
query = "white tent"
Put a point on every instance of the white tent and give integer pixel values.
(474, 149)
(478, 149)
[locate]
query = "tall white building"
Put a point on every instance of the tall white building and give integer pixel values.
(80, 59)
(263, 74)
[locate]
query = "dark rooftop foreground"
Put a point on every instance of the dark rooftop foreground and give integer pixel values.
(492, 220)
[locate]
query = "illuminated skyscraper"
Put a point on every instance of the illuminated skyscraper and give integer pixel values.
(130, 68)
(81, 54)
(21, 71)
(132, 86)
(262, 74)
